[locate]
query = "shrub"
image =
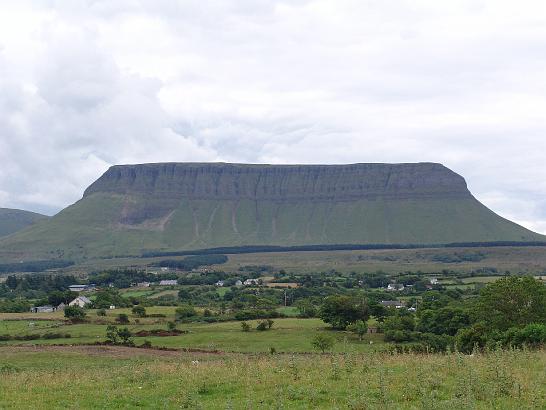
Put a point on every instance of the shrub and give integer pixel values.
(262, 326)
(245, 327)
(101, 312)
(323, 342)
(184, 312)
(139, 311)
(471, 338)
(122, 319)
(533, 335)
(74, 313)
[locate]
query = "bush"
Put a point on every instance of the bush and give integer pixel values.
(139, 311)
(245, 327)
(262, 326)
(184, 312)
(101, 312)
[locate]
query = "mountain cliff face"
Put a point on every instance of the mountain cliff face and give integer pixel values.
(173, 206)
(13, 220)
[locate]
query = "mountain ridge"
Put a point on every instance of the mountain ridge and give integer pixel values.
(133, 209)
(13, 220)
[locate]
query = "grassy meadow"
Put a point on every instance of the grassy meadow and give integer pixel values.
(287, 335)
(119, 377)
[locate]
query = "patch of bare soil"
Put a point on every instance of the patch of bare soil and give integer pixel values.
(101, 350)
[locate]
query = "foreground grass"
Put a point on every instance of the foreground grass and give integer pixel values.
(99, 377)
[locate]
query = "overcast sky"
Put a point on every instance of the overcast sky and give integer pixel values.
(87, 84)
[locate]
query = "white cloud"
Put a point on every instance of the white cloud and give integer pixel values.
(85, 84)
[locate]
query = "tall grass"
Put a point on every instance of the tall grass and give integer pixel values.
(500, 380)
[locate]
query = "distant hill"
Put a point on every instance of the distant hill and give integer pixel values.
(176, 206)
(13, 220)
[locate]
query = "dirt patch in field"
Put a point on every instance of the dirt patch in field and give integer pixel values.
(111, 351)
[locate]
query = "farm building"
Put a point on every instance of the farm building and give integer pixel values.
(172, 282)
(42, 309)
(81, 288)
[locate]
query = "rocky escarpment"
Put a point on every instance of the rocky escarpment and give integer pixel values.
(218, 181)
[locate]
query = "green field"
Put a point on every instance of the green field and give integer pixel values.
(116, 377)
(287, 335)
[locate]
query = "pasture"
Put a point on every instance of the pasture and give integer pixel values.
(287, 335)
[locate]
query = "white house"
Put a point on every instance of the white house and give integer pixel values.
(220, 283)
(250, 282)
(238, 283)
(395, 286)
(143, 284)
(170, 282)
(393, 304)
(433, 281)
(80, 301)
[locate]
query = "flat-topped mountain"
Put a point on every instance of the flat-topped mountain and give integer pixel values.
(175, 206)
(13, 220)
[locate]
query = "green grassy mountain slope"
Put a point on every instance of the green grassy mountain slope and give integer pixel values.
(13, 220)
(136, 208)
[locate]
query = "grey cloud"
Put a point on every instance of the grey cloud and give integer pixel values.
(276, 81)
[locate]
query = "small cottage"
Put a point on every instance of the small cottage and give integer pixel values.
(80, 301)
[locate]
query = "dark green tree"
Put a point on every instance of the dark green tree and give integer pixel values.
(12, 282)
(340, 311)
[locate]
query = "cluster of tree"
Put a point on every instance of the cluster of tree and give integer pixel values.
(110, 297)
(458, 257)
(35, 284)
(18, 305)
(34, 266)
(123, 278)
(333, 247)
(193, 262)
(341, 311)
(262, 326)
(508, 312)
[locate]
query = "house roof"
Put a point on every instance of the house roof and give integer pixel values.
(84, 299)
(392, 303)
